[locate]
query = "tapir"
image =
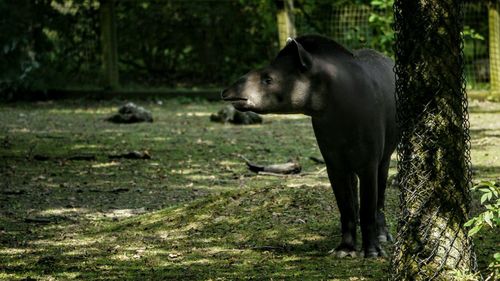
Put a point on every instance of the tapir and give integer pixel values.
(350, 98)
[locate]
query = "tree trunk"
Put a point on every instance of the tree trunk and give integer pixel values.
(109, 44)
(434, 161)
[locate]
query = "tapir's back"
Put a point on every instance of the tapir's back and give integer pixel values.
(376, 64)
(379, 69)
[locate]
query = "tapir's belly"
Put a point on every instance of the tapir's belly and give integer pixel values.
(354, 145)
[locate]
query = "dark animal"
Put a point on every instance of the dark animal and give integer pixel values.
(131, 113)
(350, 97)
(230, 115)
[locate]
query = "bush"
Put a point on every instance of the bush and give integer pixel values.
(490, 199)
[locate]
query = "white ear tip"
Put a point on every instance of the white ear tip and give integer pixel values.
(289, 40)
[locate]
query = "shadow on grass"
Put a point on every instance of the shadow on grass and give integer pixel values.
(280, 232)
(492, 172)
(192, 212)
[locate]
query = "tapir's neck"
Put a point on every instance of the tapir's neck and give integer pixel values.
(324, 83)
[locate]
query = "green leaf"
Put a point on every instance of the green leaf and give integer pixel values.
(487, 218)
(489, 183)
(475, 229)
(486, 197)
(470, 222)
(497, 256)
(490, 207)
(495, 191)
(478, 37)
(484, 189)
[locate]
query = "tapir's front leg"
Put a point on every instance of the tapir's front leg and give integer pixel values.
(345, 190)
(368, 178)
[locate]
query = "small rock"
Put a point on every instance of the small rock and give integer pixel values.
(132, 155)
(41, 157)
(119, 190)
(173, 256)
(301, 221)
(46, 260)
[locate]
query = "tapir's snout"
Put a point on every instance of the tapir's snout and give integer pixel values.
(230, 95)
(233, 93)
(223, 94)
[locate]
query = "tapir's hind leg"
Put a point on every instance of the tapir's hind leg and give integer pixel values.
(383, 232)
(368, 178)
(345, 189)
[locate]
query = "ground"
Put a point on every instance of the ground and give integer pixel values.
(191, 212)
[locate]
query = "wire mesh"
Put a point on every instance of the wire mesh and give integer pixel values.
(347, 24)
(476, 38)
(434, 153)
(350, 25)
(201, 43)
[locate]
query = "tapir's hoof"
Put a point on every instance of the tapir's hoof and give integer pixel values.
(389, 237)
(344, 250)
(342, 254)
(375, 253)
(384, 238)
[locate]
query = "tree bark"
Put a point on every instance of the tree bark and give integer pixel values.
(434, 161)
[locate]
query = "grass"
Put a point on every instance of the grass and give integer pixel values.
(193, 211)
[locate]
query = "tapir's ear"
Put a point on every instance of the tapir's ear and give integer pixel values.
(304, 57)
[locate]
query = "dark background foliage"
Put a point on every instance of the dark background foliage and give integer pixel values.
(55, 44)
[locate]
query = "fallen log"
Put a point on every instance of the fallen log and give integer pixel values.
(292, 167)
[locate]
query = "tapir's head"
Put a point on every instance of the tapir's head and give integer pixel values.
(281, 87)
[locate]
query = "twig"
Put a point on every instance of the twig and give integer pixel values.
(265, 247)
(273, 174)
(317, 160)
(321, 171)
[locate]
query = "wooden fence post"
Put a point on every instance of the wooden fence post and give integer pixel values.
(494, 38)
(286, 24)
(109, 44)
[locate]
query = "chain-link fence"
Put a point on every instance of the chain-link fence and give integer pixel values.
(361, 26)
(476, 37)
(346, 24)
(201, 43)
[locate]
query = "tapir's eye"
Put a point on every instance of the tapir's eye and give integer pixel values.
(267, 80)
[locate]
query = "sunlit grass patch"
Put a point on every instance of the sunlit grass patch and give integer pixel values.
(106, 165)
(269, 227)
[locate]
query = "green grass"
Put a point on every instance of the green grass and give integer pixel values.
(193, 211)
